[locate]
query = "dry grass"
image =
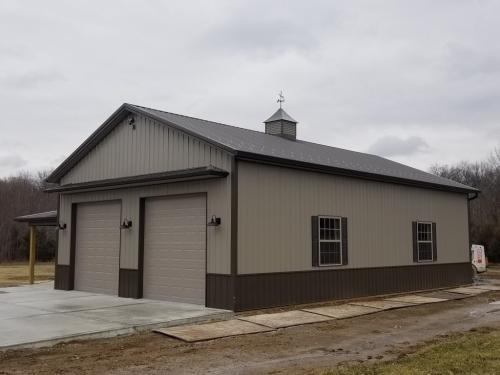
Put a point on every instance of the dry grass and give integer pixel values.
(16, 273)
(474, 352)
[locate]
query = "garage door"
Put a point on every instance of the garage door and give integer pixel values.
(175, 249)
(97, 250)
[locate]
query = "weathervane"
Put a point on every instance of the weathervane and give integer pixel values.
(281, 98)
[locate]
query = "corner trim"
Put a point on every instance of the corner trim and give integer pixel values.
(234, 229)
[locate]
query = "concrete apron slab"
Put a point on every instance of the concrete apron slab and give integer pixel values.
(467, 290)
(210, 331)
(285, 319)
(101, 330)
(445, 295)
(81, 303)
(417, 300)
(487, 287)
(35, 316)
(147, 313)
(383, 304)
(342, 311)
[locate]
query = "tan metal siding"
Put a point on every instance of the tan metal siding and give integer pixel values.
(175, 248)
(150, 148)
(275, 206)
(218, 203)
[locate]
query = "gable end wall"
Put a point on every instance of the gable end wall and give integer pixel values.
(149, 148)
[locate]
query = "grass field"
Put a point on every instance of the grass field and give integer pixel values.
(474, 352)
(16, 273)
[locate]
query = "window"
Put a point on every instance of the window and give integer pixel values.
(424, 242)
(330, 240)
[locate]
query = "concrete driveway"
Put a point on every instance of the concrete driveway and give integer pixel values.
(38, 315)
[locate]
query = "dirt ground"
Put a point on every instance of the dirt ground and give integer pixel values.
(309, 349)
(472, 352)
(16, 273)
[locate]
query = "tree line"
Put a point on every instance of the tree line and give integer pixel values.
(24, 194)
(485, 209)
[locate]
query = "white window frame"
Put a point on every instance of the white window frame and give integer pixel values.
(431, 242)
(320, 240)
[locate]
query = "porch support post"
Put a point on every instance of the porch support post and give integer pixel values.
(32, 254)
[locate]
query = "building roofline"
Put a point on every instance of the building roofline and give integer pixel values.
(126, 109)
(264, 159)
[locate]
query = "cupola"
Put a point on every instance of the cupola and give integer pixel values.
(281, 123)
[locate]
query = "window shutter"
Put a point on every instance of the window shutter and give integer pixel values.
(434, 243)
(344, 240)
(315, 240)
(415, 244)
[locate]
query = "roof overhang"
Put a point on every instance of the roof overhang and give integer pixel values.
(201, 173)
(47, 219)
(264, 159)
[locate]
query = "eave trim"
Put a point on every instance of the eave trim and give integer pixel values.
(145, 179)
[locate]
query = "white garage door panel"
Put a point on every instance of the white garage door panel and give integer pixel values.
(97, 251)
(175, 249)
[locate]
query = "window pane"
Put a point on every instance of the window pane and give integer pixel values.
(424, 232)
(425, 251)
(329, 252)
(336, 234)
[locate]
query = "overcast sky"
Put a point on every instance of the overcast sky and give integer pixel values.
(415, 81)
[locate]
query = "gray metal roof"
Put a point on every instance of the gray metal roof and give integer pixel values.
(251, 142)
(280, 114)
(258, 146)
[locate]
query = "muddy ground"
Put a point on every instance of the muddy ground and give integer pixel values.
(304, 349)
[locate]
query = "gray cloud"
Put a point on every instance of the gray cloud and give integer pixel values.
(394, 146)
(12, 162)
(32, 79)
(350, 70)
(262, 37)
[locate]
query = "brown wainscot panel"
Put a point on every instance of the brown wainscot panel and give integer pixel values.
(264, 290)
(63, 277)
(130, 286)
(219, 291)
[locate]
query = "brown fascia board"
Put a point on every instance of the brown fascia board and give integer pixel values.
(145, 179)
(280, 162)
(103, 130)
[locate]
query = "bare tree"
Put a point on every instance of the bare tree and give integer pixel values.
(22, 195)
(485, 210)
